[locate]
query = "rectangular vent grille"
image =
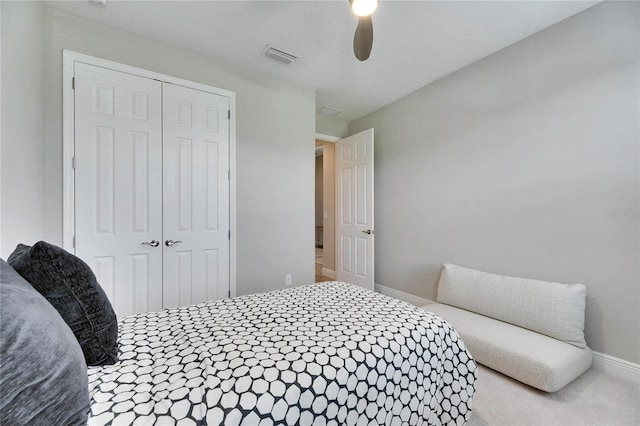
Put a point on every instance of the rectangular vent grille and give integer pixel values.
(279, 55)
(329, 110)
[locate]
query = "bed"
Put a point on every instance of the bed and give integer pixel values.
(321, 354)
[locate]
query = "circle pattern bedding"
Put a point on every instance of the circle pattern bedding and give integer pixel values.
(321, 354)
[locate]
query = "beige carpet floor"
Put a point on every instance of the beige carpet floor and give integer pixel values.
(595, 398)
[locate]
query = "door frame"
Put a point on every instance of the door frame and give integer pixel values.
(69, 58)
(331, 139)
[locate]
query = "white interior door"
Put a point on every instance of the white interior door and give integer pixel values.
(118, 184)
(196, 196)
(355, 226)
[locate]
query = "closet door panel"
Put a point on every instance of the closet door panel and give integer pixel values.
(196, 196)
(118, 184)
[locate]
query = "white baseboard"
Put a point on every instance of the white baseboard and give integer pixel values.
(616, 367)
(329, 273)
(410, 298)
(601, 362)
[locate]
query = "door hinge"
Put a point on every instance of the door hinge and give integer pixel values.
(73, 83)
(229, 174)
(229, 114)
(73, 163)
(229, 293)
(74, 241)
(229, 234)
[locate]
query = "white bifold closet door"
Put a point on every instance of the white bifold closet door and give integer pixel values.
(118, 184)
(196, 194)
(151, 189)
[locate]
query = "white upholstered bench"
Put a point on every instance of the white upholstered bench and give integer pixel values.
(530, 330)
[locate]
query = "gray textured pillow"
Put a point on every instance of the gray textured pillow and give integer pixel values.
(71, 287)
(43, 375)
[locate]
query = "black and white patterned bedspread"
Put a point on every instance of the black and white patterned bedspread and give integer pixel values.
(320, 354)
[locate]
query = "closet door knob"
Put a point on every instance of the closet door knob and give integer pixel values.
(169, 243)
(368, 231)
(152, 243)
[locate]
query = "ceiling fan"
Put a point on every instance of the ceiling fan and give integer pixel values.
(363, 38)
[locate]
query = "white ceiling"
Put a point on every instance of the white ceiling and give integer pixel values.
(415, 42)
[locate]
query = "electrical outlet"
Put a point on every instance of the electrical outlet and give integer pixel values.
(287, 279)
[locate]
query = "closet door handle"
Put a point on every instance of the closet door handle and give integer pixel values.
(169, 243)
(152, 243)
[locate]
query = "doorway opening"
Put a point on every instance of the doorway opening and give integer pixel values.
(324, 233)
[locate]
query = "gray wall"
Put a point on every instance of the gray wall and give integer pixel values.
(1, 129)
(329, 205)
(525, 163)
(275, 133)
(22, 124)
(318, 193)
(330, 126)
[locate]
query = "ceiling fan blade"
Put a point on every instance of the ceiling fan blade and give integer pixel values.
(363, 38)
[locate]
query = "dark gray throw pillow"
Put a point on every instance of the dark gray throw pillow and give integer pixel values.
(43, 375)
(71, 287)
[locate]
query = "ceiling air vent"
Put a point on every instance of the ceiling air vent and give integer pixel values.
(329, 110)
(279, 55)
